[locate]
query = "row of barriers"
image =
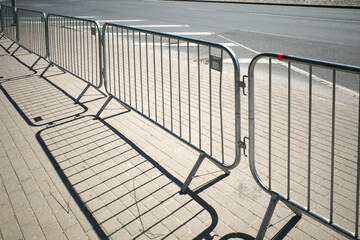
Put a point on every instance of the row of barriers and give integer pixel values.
(151, 73)
(183, 86)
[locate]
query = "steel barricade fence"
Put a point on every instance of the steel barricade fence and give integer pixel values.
(180, 84)
(8, 24)
(75, 46)
(32, 32)
(304, 136)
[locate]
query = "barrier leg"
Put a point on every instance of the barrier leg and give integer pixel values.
(7, 50)
(15, 51)
(103, 107)
(192, 173)
(269, 212)
(82, 93)
(42, 74)
(37, 60)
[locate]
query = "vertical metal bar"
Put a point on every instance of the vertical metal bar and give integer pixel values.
(171, 104)
(77, 48)
(95, 43)
(88, 50)
(358, 174)
(109, 61)
(113, 60)
(333, 148)
(81, 50)
(123, 62)
(66, 29)
(154, 77)
(118, 61)
(199, 93)
(179, 86)
(71, 47)
(129, 70)
(84, 51)
(210, 102)
(147, 74)
(289, 131)
(309, 139)
(162, 80)
(221, 114)
(58, 57)
(270, 116)
(134, 54)
(92, 56)
(189, 102)
(141, 79)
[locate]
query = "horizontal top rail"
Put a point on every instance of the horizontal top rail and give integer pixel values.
(313, 62)
(30, 10)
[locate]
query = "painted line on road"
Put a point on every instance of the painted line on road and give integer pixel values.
(159, 26)
(309, 18)
(300, 71)
(121, 20)
(181, 44)
(86, 16)
(288, 36)
(192, 33)
(172, 33)
(244, 60)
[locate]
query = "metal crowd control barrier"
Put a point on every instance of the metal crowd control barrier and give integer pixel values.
(180, 85)
(8, 24)
(304, 139)
(75, 47)
(32, 32)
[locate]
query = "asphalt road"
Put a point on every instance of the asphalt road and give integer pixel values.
(330, 34)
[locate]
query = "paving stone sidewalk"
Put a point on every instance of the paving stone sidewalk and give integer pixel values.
(64, 175)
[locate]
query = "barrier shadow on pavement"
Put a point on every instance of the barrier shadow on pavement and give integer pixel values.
(121, 189)
(39, 101)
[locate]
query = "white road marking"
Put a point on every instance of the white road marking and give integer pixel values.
(158, 26)
(121, 20)
(244, 60)
(288, 36)
(181, 44)
(86, 16)
(192, 33)
(300, 71)
(171, 33)
(309, 18)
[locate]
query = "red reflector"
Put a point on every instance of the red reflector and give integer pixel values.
(281, 56)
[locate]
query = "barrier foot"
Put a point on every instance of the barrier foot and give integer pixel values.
(103, 107)
(15, 51)
(269, 212)
(7, 50)
(192, 173)
(42, 74)
(82, 93)
(37, 60)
